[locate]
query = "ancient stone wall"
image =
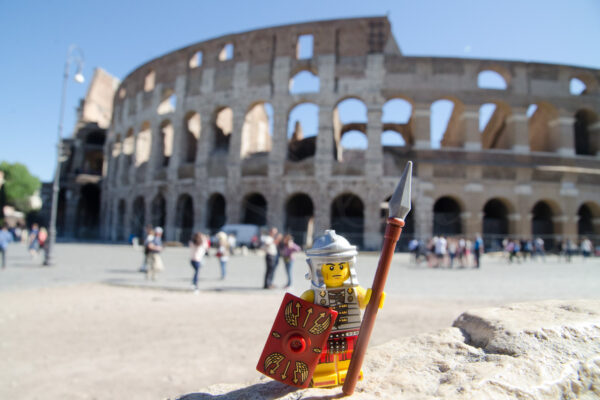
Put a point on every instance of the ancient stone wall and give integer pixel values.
(209, 123)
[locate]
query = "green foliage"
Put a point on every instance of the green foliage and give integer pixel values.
(19, 185)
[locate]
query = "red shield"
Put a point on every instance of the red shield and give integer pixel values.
(296, 340)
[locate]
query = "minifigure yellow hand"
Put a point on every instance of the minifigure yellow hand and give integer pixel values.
(368, 298)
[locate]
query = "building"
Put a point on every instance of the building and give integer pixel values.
(209, 133)
(78, 211)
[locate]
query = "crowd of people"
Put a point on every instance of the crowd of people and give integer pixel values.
(36, 239)
(442, 252)
(520, 250)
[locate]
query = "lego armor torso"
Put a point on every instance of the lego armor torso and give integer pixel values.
(343, 300)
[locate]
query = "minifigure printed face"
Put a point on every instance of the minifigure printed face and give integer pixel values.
(334, 274)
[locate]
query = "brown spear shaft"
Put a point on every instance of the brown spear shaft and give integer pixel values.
(399, 206)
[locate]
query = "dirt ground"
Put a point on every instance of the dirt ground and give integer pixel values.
(93, 341)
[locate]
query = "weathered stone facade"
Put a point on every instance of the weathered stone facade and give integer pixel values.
(188, 148)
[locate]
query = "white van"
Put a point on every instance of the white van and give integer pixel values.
(244, 233)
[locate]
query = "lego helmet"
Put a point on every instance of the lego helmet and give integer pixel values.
(330, 247)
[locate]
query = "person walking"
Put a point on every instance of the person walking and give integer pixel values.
(223, 252)
(586, 247)
(33, 242)
(5, 239)
(149, 237)
(287, 250)
(270, 248)
(155, 263)
(477, 251)
(198, 248)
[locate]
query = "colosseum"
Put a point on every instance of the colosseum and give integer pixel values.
(213, 133)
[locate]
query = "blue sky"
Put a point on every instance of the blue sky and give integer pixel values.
(120, 35)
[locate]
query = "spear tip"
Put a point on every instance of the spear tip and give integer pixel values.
(399, 205)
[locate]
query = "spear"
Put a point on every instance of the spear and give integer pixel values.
(399, 207)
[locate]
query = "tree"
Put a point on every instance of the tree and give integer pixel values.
(19, 185)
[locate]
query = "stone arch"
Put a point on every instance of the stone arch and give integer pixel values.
(541, 121)
(168, 102)
(257, 129)
(222, 128)
(347, 217)
(165, 144)
(491, 79)
(446, 123)
(189, 140)
(121, 212)
(447, 212)
(137, 219)
(493, 125)
(397, 122)
(582, 83)
(588, 221)
(149, 80)
(498, 71)
(184, 218)
(544, 223)
(116, 150)
(196, 59)
(586, 133)
(349, 114)
(216, 216)
(158, 211)
(303, 128)
(496, 223)
(304, 81)
(254, 209)
(87, 223)
(299, 217)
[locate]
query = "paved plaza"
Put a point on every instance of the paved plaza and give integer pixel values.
(92, 327)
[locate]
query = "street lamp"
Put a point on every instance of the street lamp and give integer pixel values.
(74, 54)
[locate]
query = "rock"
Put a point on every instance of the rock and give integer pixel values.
(541, 350)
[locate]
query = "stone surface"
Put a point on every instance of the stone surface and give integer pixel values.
(541, 350)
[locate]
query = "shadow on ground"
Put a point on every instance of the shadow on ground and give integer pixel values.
(268, 391)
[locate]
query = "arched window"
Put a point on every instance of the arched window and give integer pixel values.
(492, 125)
(441, 111)
(396, 123)
(303, 126)
(540, 117)
(254, 209)
(190, 138)
(577, 87)
(216, 217)
(304, 47)
(304, 82)
(348, 115)
(184, 218)
(223, 126)
(226, 52)
(489, 79)
(257, 130)
(495, 224)
(347, 218)
(299, 211)
(138, 213)
(165, 143)
(446, 217)
(196, 60)
(584, 120)
(149, 81)
(143, 145)
(168, 102)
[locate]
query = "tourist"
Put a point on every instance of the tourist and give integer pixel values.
(452, 251)
(586, 247)
(462, 252)
(154, 261)
(270, 248)
(539, 249)
(440, 246)
(5, 239)
(478, 250)
(223, 252)
(33, 242)
(413, 247)
(149, 237)
(287, 250)
(198, 248)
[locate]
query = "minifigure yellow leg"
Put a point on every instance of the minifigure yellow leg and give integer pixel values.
(343, 370)
(325, 375)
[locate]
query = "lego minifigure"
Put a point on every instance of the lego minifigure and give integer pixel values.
(334, 284)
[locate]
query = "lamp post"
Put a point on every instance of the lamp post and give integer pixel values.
(74, 54)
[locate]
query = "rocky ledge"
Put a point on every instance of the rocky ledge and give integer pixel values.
(541, 350)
